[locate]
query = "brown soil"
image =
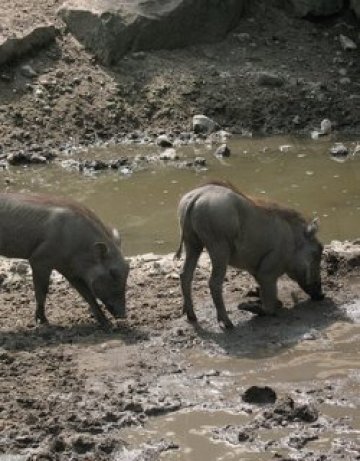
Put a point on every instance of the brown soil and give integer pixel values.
(70, 389)
(58, 399)
(73, 99)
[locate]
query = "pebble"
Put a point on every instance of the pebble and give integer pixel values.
(28, 71)
(339, 150)
(347, 43)
(223, 151)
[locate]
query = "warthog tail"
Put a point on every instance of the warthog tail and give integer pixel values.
(183, 224)
(179, 251)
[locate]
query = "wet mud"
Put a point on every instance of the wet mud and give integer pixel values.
(157, 387)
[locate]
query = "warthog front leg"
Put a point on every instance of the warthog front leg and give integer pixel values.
(41, 280)
(219, 256)
(266, 276)
(186, 277)
(81, 287)
(268, 295)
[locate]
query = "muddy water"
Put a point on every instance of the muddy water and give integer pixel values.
(299, 173)
(328, 364)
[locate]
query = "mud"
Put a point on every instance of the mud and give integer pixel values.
(71, 391)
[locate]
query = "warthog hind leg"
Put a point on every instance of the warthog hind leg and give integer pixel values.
(186, 277)
(219, 256)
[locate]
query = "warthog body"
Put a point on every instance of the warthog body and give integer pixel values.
(263, 238)
(54, 233)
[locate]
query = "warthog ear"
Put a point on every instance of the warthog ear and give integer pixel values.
(312, 227)
(101, 250)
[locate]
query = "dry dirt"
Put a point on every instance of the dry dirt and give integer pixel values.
(74, 100)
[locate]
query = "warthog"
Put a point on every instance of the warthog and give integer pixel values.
(56, 233)
(263, 238)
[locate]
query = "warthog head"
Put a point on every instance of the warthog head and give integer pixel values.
(305, 266)
(108, 278)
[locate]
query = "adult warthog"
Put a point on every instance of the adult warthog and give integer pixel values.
(57, 233)
(263, 238)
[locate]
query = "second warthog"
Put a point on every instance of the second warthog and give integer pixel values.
(57, 233)
(263, 238)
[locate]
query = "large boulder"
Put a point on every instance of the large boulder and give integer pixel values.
(12, 47)
(111, 28)
(304, 8)
(355, 5)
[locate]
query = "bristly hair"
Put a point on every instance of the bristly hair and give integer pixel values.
(64, 202)
(290, 215)
(226, 184)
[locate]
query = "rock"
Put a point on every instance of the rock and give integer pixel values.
(82, 444)
(19, 158)
(119, 162)
(307, 413)
(96, 165)
(304, 8)
(258, 394)
(223, 151)
(269, 79)
(28, 71)
(37, 159)
(169, 154)
(284, 406)
(203, 124)
(344, 81)
(163, 141)
(13, 47)
(325, 126)
(347, 43)
(200, 161)
(110, 31)
(339, 150)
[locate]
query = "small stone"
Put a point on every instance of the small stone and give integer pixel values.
(259, 394)
(345, 81)
(269, 79)
(200, 161)
(325, 126)
(203, 124)
(242, 37)
(19, 158)
(169, 154)
(38, 159)
(163, 141)
(347, 43)
(28, 71)
(223, 151)
(307, 413)
(339, 150)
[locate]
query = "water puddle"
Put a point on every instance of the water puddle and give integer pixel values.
(319, 370)
(297, 172)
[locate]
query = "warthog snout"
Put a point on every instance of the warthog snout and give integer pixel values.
(315, 292)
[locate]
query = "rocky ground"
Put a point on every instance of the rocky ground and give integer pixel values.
(273, 74)
(68, 390)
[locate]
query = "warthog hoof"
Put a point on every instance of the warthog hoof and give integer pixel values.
(228, 325)
(191, 318)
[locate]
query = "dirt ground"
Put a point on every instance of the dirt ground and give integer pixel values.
(68, 390)
(74, 100)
